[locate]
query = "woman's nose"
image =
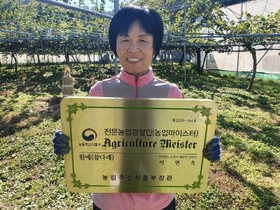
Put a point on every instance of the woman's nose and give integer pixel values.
(133, 47)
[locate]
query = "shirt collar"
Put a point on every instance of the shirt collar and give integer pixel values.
(142, 79)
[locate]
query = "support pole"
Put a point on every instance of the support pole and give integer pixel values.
(185, 51)
(68, 6)
(116, 9)
(238, 55)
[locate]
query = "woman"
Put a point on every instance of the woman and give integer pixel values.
(135, 36)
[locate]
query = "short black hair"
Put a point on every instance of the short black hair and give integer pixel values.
(150, 21)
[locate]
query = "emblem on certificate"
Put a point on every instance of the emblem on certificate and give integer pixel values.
(137, 145)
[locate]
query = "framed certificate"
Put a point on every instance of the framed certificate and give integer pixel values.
(137, 145)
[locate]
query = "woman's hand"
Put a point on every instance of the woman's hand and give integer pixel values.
(212, 150)
(61, 143)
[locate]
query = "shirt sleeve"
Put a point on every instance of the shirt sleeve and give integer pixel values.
(96, 90)
(174, 92)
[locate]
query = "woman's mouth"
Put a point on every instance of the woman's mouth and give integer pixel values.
(133, 59)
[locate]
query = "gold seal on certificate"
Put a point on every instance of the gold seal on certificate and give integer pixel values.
(137, 145)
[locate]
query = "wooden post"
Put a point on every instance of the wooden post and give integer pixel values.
(67, 83)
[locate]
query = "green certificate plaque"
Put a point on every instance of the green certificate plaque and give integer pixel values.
(137, 145)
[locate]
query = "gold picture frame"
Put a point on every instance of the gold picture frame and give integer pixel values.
(137, 145)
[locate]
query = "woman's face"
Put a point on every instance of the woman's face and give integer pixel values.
(135, 51)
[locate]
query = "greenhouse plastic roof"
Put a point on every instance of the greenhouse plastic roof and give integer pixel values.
(230, 2)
